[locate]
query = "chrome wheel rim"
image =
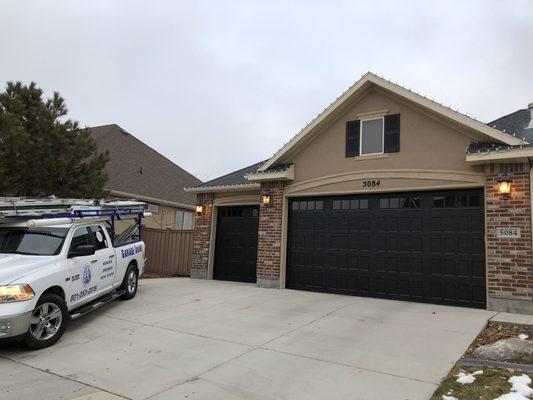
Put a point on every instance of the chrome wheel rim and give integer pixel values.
(132, 281)
(45, 321)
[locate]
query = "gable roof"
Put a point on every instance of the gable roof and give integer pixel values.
(231, 180)
(515, 124)
(357, 90)
(137, 169)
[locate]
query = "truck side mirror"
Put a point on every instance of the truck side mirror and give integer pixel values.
(82, 250)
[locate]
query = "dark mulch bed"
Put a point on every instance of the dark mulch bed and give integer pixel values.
(495, 331)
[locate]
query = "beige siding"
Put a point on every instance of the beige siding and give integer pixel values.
(432, 154)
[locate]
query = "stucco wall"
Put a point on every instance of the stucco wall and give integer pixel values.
(426, 144)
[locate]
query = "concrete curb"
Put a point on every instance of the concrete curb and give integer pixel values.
(474, 362)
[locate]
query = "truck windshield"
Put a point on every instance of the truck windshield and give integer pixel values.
(37, 241)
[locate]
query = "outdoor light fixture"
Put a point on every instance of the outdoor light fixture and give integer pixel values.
(199, 209)
(504, 186)
(266, 200)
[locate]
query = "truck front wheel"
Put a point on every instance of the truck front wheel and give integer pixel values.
(48, 322)
(129, 284)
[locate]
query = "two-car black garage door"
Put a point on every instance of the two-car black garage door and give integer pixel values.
(423, 246)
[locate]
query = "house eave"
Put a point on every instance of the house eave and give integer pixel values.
(224, 188)
(285, 175)
(149, 199)
(511, 155)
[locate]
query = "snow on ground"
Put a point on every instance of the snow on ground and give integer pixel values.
(521, 385)
(468, 378)
(520, 389)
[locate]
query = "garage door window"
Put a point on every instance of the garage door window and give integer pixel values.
(452, 201)
(347, 204)
(400, 202)
(372, 136)
(311, 205)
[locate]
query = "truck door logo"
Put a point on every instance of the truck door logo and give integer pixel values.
(86, 275)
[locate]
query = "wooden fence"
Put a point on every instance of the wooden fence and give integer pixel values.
(168, 252)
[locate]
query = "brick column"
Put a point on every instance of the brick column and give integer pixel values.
(202, 237)
(509, 260)
(269, 240)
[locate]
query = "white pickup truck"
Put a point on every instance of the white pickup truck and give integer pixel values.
(52, 273)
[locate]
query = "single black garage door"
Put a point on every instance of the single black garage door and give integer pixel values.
(424, 246)
(236, 244)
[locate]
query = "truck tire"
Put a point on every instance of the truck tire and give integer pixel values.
(130, 282)
(48, 322)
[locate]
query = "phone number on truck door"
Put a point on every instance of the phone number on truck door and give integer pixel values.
(83, 293)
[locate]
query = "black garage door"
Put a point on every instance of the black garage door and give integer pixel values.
(424, 246)
(236, 244)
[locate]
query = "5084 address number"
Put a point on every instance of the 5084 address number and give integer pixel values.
(371, 183)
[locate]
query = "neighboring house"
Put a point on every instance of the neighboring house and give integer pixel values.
(135, 170)
(384, 194)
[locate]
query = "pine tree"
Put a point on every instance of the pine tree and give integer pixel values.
(41, 151)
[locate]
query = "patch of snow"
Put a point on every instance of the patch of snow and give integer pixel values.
(521, 385)
(479, 372)
(465, 378)
(523, 336)
(449, 398)
(512, 396)
(520, 389)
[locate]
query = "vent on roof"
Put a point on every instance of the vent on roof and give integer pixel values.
(530, 106)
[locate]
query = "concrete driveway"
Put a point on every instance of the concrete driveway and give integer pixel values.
(191, 339)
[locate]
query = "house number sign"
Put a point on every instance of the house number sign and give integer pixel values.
(508, 233)
(371, 183)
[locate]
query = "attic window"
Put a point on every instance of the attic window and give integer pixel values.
(372, 136)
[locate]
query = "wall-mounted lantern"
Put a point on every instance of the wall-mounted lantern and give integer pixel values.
(199, 209)
(266, 200)
(504, 186)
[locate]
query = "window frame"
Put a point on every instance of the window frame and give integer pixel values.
(86, 227)
(182, 213)
(98, 228)
(361, 135)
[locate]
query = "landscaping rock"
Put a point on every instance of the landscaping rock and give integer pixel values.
(507, 350)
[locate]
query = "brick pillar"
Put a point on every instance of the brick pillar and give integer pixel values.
(509, 260)
(202, 237)
(269, 241)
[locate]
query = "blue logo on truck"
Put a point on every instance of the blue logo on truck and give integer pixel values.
(86, 275)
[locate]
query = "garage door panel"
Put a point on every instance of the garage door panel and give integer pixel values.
(236, 244)
(431, 251)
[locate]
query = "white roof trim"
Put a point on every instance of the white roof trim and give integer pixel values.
(499, 155)
(401, 91)
(285, 175)
(223, 188)
(150, 199)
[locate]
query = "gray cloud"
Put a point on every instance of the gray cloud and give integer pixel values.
(216, 86)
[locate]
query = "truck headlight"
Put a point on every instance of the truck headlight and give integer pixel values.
(13, 293)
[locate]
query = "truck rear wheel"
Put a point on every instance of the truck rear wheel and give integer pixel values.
(130, 282)
(48, 322)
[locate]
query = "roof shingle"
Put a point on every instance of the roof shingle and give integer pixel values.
(134, 167)
(515, 124)
(233, 178)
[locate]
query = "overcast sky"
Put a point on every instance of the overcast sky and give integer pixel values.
(218, 85)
